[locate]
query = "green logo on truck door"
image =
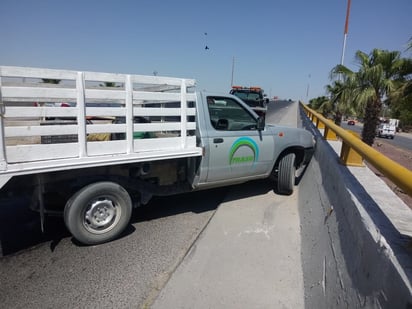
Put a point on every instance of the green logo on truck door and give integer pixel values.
(244, 150)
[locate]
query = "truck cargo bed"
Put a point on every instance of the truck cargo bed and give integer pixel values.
(57, 120)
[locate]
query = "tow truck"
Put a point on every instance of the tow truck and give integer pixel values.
(252, 96)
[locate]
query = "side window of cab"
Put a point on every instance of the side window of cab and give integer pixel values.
(227, 114)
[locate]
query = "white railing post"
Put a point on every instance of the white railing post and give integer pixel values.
(183, 114)
(81, 114)
(129, 114)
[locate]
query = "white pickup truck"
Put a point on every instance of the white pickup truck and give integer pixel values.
(94, 145)
(387, 130)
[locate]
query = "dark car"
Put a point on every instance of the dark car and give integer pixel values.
(351, 122)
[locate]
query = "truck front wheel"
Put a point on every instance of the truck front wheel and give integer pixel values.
(286, 174)
(98, 213)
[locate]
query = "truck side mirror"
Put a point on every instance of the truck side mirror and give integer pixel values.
(261, 123)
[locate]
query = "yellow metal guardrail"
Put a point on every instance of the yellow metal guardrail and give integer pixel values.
(354, 151)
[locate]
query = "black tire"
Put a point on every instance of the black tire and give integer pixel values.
(286, 174)
(98, 213)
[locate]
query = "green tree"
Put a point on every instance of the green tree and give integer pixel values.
(378, 76)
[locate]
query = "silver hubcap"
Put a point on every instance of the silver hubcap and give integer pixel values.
(101, 215)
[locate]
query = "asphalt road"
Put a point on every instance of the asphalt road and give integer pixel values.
(57, 272)
(249, 255)
(51, 270)
(401, 140)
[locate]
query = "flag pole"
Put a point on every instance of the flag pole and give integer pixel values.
(345, 33)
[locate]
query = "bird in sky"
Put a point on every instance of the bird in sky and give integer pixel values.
(206, 47)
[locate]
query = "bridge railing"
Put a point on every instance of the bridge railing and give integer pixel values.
(354, 151)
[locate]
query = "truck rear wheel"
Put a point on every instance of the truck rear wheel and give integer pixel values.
(98, 212)
(286, 174)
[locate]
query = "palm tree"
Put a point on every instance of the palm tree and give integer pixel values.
(400, 100)
(377, 77)
(341, 98)
(322, 105)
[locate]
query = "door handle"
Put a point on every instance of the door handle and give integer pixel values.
(218, 140)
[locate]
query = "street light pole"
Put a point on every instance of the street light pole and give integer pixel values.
(233, 70)
(307, 90)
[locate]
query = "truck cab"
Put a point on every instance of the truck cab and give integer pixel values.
(239, 146)
(254, 97)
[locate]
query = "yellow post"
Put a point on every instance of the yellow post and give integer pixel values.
(348, 155)
(320, 124)
(329, 134)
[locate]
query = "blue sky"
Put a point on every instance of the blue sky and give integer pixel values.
(284, 46)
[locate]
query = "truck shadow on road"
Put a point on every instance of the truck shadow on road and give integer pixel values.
(20, 228)
(199, 201)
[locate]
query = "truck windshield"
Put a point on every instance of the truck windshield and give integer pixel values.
(247, 95)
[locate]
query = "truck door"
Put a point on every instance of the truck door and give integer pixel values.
(237, 150)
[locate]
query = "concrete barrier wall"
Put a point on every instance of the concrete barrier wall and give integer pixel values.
(353, 257)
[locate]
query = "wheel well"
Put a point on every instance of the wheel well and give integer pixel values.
(298, 151)
(142, 181)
